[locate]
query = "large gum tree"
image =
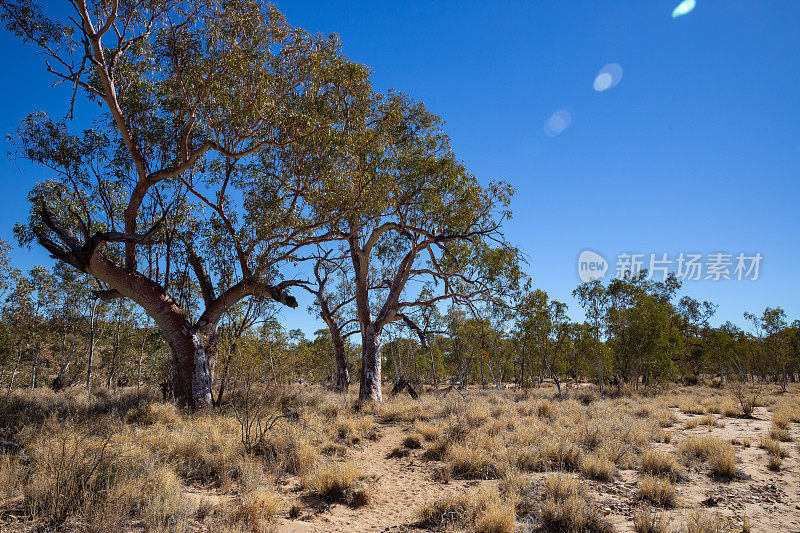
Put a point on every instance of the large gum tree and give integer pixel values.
(418, 229)
(179, 196)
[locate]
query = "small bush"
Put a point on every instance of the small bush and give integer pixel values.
(661, 491)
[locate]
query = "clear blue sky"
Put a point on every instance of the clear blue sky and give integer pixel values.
(697, 149)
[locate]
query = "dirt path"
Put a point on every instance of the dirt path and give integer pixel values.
(401, 486)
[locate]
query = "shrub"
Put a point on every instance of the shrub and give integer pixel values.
(661, 491)
(746, 395)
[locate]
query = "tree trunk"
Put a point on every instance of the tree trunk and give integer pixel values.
(14, 372)
(192, 355)
(34, 365)
(92, 320)
(342, 373)
(113, 370)
(371, 365)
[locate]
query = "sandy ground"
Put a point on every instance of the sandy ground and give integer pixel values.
(771, 500)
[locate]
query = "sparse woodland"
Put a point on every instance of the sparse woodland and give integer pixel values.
(215, 163)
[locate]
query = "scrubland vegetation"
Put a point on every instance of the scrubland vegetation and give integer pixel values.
(234, 161)
(495, 461)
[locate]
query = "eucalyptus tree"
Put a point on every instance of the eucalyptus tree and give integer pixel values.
(771, 331)
(29, 308)
(593, 297)
(178, 197)
(546, 325)
(419, 229)
(333, 299)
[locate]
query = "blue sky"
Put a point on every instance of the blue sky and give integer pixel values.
(697, 149)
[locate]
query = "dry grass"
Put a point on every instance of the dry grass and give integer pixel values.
(773, 447)
(780, 433)
(10, 476)
(659, 490)
(154, 451)
(254, 510)
(720, 455)
(659, 463)
(482, 511)
(648, 521)
(702, 522)
(566, 506)
(599, 466)
(332, 481)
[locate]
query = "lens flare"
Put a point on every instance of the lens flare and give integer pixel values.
(684, 8)
(608, 77)
(557, 123)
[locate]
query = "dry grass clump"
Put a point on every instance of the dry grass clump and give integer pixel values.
(659, 463)
(483, 511)
(709, 420)
(648, 521)
(566, 507)
(471, 462)
(691, 423)
(428, 430)
(253, 511)
(780, 433)
(413, 441)
(599, 466)
(562, 454)
(352, 430)
(361, 496)
(10, 476)
(77, 475)
(332, 481)
(659, 490)
(720, 454)
(775, 453)
(154, 413)
(702, 522)
(773, 447)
